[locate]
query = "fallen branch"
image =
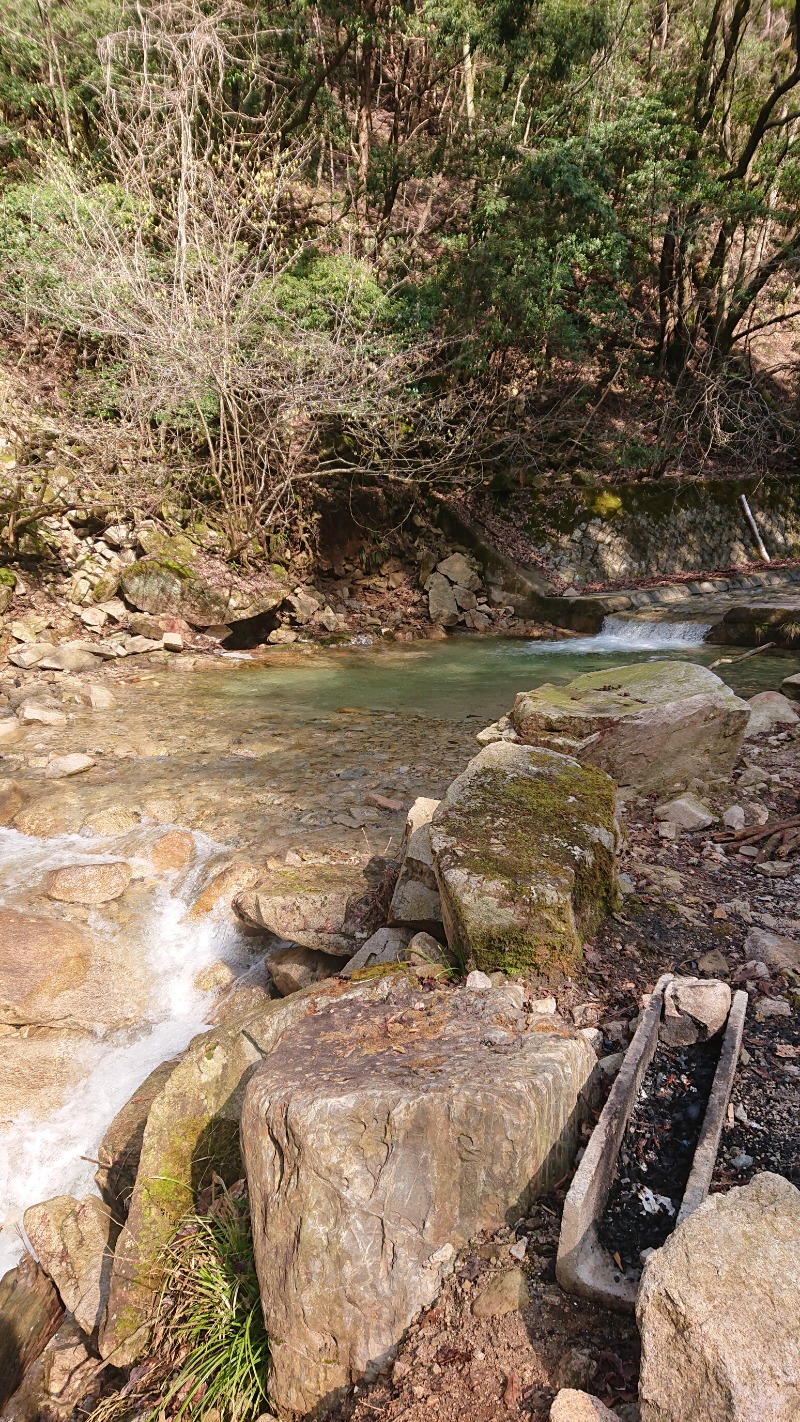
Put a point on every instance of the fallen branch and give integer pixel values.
(731, 661)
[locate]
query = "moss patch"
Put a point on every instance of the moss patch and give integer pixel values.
(530, 870)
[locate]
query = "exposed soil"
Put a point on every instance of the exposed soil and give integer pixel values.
(657, 1150)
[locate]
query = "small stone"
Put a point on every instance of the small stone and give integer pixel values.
(772, 1007)
(519, 1250)
(587, 1014)
(694, 1009)
(89, 883)
(575, 1369)
(610, 1066)
(172, 642)
(546, 1006)
(33, 712)
(714, 964)
(478, 981)
(734, 817)
(503, 1294)
(460, 570)
(742, 1161)
(100, 698)
(30, 656)
(94, 618)
(767, 710)
(63, 766)
(593, 1036)
(687, 812)
(281, 636)
(782, 954)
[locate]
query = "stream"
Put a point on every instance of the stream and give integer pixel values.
(255, 757)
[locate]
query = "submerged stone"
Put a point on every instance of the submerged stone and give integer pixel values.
(524, 847)
(647, 725)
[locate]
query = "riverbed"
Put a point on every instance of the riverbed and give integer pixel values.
(258, 758)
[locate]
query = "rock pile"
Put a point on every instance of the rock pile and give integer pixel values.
(456, 594)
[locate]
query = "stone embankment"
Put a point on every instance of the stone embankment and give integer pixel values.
(420, 1084)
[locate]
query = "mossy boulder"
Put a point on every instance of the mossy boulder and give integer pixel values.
(524, 848)
(650, 725)
(161, 585)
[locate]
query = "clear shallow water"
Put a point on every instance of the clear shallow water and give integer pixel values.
(257, 749)
(468, 678)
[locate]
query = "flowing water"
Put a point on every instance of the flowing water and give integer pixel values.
(255, 757)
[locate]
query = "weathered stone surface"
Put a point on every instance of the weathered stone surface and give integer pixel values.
(524, 847)
(385, 946)
(230, 880)
(70, 659)
(121, 1146)
(12, 799)
(173, 850)
(306, 905)
(441, 602)
(192, 1124)
(719, 1311)
(30, 656)
(293, 968)
(687, 812)
(99, 697)
(770, 711)
(62, 1383)
(572, 1405)
(646, 725)
(790, 687)
(460, 569)
(164, 585)
(10, 731)
(415, 905)
(35, 713)
(53, 971)
(72, 1240)
(30, 1313)
(378, 1138)
(416, 900)
(773, 949)
(89, 883)
(37, 1073)
(503, 1294)
(113, 821)
(694, 1009)
(63, 766)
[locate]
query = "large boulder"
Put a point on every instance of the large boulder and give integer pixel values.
(719, 1311)
(524, 847)
(72, 1240)
(308, 905)
(378, 1137)
(165, 585)
(441, 601)
(649, 725)
(192, 1127)
(770, 711)
(57, 973)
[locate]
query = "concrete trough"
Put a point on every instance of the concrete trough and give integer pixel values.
(583, 1265)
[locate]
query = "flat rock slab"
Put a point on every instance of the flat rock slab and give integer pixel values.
(647, 725)
(306, 905)
(719, 1311)
(524, 848)
(380, 1136)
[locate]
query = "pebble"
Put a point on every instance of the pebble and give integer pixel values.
(741, 1161)
(478, 981)
(734, 817)
(64, 765)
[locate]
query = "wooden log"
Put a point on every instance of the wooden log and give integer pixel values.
(30, 1313)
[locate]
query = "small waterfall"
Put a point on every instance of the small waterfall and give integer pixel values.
(633, 634)
(52, 1154)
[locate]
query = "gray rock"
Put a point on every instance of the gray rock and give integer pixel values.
(70, 659)
(770, 710)
(524, 849)
(461, 570)
(478, 982)
(687, 812)
(776, 951)
(694, 1009)
(72, 1240)
(790, 687)
(63, 766)
(714, 964)
(645, 724)
(30, 655)
(719, 1311)
(575, 1369)
(352, 1237)
(772, 1007)
(734, 817)
(293, 968)
(441, 602)
(416, 901)
(385, 946)
(35, 713)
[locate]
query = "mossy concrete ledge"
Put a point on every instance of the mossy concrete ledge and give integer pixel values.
(524, 848)
(651, 725)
